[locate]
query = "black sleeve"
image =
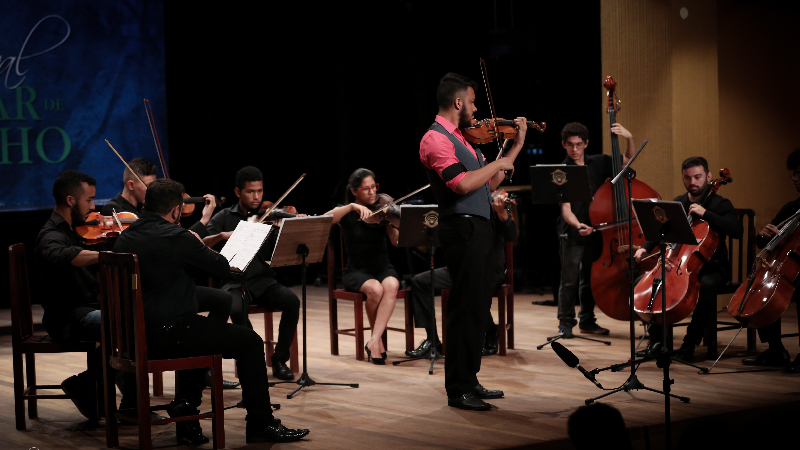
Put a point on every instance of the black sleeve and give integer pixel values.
(723, 218)
(200, 229)
(194, 254)
(56, 249)
(217, 223)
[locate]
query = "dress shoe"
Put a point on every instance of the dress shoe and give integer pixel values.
(274, 432)
(483, 393)
(594, 329)
(651, 351)
(80, 389)
(795, 366)
(129, 409)
(376, 361)
(225, 384)
(565, 332)
(281, 371)
(770, 358)
(685, 353)
(188, 431)
(423, 349)
(489, 350)
(469, 402)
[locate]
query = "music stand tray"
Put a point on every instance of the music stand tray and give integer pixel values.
(560, 183)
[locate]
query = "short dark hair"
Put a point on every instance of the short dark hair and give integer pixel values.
(141, 167)
(248, 173)
(355, 180)
(162, 195)
(793, 160)
(694, 161)
(450, 86)
(574, 129)
(70, 182)
(598, 423)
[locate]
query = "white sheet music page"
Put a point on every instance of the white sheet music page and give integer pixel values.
(244, 243)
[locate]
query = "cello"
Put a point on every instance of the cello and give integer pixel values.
(684, 263)
(771, 284)
(610, 279)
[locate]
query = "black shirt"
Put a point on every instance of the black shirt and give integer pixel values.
(167, 253)
(600, 168)
(68, 292)
(258, 273)
(119, 204)
(723, 220)
(365, 245)
(786, 211)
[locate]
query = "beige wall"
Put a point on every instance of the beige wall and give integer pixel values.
(721, 83)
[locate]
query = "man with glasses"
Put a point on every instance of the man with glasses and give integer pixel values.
(777, 355)
(575, 231)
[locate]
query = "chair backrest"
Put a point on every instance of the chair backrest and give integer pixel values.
(746, 251)
(123, 331)
(21, 316)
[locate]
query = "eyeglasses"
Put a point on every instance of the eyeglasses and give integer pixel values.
(795, 175)
(370, 188)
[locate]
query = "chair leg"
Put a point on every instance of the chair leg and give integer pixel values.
(110, 402)
(19, 390)
(30, 366)
(158, 384)
(294, 358)
(445, 297)
(143, 409)
(510, 319)
(409, 323)
(501, 326)
(268, 336)
(217, 407)
(334, 325)
(358, 306)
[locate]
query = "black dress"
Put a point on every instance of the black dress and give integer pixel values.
(367, 253)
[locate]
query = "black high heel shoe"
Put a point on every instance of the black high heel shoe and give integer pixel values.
(377, 361)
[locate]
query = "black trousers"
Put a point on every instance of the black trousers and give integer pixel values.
(468, 246)
(771, 334)
(216, 301)
(275, 296)
(421, 293)
(711, 278)
(197, 336)
(576, 271)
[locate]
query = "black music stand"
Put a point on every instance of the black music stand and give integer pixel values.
(417, 228)
(559, 183)
(302, 240)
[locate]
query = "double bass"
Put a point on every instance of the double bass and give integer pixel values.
(770, 287)
(683, 265)
(610, 279)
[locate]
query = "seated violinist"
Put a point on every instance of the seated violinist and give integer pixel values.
(776, 354)
(131, 199)
(259, 278)
(720, 215)
(368, 269)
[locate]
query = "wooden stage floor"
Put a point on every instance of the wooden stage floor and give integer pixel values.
(404, 407)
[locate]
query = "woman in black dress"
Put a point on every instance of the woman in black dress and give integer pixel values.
(368, 269)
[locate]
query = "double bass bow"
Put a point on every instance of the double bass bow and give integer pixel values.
(770, 287)
(683, 265)
(610, 278)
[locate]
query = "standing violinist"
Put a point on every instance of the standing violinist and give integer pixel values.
(461, 181)
(368, 269)
(776, 354)
(259, 278)
(721, 217)
(575, 231)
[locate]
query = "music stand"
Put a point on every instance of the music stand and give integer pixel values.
(417, 228)
(302, 240)
(559, 183)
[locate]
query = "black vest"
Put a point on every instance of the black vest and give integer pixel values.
(477, 202)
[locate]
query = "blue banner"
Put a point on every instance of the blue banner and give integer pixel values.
(72, 74)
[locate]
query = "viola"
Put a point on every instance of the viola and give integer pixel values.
(683, 264)
(771, 284)
(98, 228)
(610, 272)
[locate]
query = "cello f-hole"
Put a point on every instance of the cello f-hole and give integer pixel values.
(614, 243)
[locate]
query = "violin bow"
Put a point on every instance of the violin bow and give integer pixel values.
(126, 164)
(275, 205)
(485, 76)
(389, 205)
(152, 121)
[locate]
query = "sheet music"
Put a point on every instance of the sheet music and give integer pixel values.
(244, 243)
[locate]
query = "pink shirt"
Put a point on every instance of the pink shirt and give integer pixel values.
(437, 152)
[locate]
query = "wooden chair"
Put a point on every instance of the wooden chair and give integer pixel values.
(358, 299)
(505, 307)
(125, 348)
(25, 343)
(269, 343)
(740, 267)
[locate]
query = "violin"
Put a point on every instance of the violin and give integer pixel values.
(683, 264)
(487, 130)
(97, 228)
(384, 210)
(610, 278)
(274, 214)
(771, 284)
